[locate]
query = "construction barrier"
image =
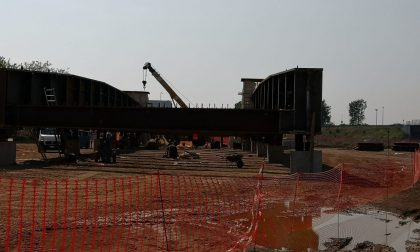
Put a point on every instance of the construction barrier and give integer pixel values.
(416, 166)
(185, 213)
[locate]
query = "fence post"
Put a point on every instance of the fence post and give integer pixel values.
(294, 201)
(163, 212)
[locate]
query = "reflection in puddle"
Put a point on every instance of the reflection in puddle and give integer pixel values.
(375, 226)
(277, 229)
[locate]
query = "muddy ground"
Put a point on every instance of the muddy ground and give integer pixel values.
(212, 163)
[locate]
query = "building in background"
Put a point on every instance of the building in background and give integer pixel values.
(159, 104)
(412, 129)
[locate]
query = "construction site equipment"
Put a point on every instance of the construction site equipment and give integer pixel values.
(157, 142)
(106, 153)
(171, 151)
(165, 85)
(189, 155)
(50, 96)
(409, 146)
(185, 144)
(369, 146)
(49, 140)
(236, 158)
(34, 133)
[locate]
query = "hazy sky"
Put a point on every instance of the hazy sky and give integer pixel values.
(368, 49)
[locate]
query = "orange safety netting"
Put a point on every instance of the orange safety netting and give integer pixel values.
(186, 213)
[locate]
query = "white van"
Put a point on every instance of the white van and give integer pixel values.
(48, 139)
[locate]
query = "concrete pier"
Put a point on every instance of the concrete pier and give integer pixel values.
(7, 153)
(253, 146)
(276, 155)
(261, 149)
(246, 144)
(306, 161)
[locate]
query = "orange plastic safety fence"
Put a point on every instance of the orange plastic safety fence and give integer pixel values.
(154, 212)
(416, 176)
(184, 213)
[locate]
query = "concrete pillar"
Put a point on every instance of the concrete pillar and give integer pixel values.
(253, 146)
(72, 146)
(306, 161)
(276, 155)
(231, 142)
(246, 144)
(261, 149)
(299, 144)
(7, 153)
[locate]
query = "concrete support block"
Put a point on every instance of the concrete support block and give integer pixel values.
(253, 146)
(261, 149)
(72, 146)
(276, 155)
(7, 153)
(246, 144)
(306, 161)
(231, 141)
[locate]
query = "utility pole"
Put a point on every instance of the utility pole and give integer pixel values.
(376, 116)
(383, 111)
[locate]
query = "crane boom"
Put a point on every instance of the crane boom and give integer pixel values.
(164, 84)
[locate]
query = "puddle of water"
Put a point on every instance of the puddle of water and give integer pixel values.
(376, 226)
(278, 230)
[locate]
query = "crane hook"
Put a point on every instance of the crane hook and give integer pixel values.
(144, 78)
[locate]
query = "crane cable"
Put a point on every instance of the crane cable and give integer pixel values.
(144, 79)
(178, 92)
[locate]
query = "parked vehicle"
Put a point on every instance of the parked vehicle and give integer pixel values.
(49, 139)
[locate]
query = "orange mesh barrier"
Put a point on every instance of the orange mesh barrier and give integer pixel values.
(187, 213)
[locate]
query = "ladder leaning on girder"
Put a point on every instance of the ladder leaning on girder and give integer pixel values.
(51, 100)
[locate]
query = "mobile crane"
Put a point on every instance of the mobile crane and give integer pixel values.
(172, 93)
(165, 85)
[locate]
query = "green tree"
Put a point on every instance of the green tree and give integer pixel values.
(6, 63)
(2, 62)
(238, 105)
(357, 111)
(34, 65)
(325, 114)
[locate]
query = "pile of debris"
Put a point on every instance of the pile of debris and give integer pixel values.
(368, 246)
(335, 244)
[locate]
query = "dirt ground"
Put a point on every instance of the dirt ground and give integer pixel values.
(400, 203)
(212, 164)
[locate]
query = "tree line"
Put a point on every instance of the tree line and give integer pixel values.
(356, 111)
(34, 65)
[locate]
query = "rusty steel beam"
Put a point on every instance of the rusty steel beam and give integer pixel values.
(157, 120)
(3, 97)
(284, 103)
(298, 90)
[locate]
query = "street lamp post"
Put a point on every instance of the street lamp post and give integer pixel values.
(376, 116)
(383, 111)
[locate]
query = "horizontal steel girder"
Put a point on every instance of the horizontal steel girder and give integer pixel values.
(157, 120)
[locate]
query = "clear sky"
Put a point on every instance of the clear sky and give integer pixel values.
(368, 49)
